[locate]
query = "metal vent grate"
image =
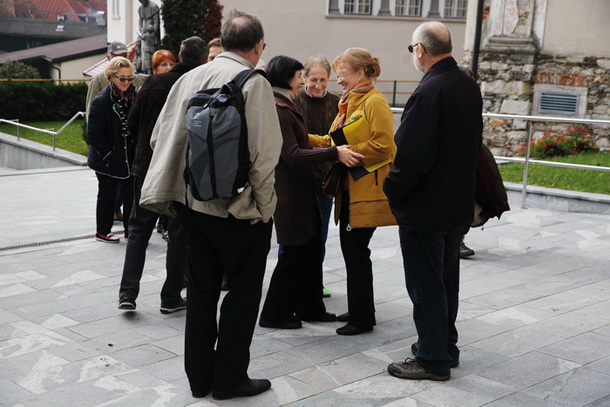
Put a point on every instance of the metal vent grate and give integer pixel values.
(559, 103)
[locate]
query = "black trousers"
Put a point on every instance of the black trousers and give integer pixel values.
(217, 352)
(432, 274)
(359, 268)
(106, 195)
(142, 222)
(296, 284)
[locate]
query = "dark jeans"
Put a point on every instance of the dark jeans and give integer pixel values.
(359, 268)
(432, 274)
(296, 284)
(218, 246)
(141, 225)
(106, 195)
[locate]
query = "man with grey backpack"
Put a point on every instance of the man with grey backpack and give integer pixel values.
(229, 235)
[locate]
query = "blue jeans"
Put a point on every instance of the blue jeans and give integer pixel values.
(432, 274)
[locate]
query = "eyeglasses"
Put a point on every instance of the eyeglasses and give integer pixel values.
(342, 75)
(124, 79)
(264, 45)
(410, 47)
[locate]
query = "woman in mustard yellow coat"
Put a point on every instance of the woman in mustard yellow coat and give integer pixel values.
(366, 121)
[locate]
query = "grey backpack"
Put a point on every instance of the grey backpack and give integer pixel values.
(217, 157)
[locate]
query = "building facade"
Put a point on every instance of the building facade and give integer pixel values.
(300, 29)
(542, 58)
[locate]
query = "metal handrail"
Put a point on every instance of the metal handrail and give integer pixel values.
(527, 160)
(50, 132)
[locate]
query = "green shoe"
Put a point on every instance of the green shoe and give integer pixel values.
(325, 292)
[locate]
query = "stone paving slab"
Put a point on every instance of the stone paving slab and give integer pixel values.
(534, 323)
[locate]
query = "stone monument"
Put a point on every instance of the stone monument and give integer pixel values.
(150, 35)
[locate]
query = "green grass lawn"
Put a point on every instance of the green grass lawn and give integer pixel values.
(564, 178)
(71, 139)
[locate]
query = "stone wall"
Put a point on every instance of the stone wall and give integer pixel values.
(507, 81)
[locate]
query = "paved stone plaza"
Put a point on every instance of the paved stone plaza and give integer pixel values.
(534, 320)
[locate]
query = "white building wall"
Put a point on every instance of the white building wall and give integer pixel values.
(74, 69)
(578, 28)
(303, 28)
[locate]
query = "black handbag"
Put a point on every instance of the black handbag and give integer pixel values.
(334, 180)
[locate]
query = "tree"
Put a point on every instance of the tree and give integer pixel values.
(213, 20)
(18, 70)
(185, 18)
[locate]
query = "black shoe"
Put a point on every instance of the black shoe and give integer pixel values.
(200, 394)
(465, 251)
(415, 347)
(251, 387)
(343, 317)
(168, 309)
(127, 303)
(295, 324)
(411, 370)
(352, 330)
(325, 317)
(225, 283)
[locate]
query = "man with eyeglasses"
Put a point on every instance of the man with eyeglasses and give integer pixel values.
(431, 193)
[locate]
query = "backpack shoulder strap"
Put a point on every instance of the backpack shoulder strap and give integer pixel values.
(241, 78)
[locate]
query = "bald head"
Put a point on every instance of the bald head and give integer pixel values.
(435, 38)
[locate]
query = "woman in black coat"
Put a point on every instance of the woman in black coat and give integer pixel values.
(111, 147)
(295, 291)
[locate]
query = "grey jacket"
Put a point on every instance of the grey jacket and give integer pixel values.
(164, 182)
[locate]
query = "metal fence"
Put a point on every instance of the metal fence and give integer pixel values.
(527, 160)
(52, 132)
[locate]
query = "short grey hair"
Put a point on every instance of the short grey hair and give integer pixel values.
(317, 60)
(435, 37)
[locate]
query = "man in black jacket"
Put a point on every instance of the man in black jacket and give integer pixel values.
(142, 118)
(431, 193)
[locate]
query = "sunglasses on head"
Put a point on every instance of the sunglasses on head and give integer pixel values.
(125, 79)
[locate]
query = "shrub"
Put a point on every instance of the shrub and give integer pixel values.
(18, 70)
(41, 101)
(555, 144)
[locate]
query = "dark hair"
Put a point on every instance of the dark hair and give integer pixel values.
(280, 70)
(241, 35)
(194, 50)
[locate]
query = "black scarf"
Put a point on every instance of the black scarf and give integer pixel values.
(121, 104)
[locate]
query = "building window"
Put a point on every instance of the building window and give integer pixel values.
(357, 6)
(115, 8)
(456, 8)
(411, 8)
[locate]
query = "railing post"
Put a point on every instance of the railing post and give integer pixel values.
(394, 94)
(526, 164)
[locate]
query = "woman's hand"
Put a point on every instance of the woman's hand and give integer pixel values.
(348, 157)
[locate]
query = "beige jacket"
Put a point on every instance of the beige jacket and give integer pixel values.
(164, 182)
